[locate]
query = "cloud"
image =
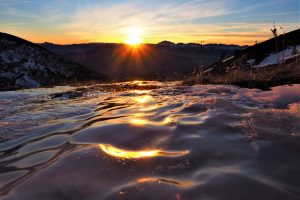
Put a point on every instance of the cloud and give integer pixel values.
(175, 20)
(180, 21)
(116, 19)
(19, 14)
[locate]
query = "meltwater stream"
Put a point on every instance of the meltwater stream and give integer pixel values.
(161, 142)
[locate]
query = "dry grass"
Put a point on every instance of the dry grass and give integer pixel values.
(263, 78)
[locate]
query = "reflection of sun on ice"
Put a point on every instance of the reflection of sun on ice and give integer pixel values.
(133, 36)
(127, 154)
(178, 183)
(143, 99)
(138, 121)
(113, 151)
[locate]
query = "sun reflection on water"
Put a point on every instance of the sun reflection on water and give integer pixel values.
(178, 183)
(149, 108)
(121, 153)
(140, 121)
(141, 91)
(143, 99)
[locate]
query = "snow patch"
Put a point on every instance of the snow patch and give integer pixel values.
(27, 81)
(250, 62)
(30, 64)
(283, 56)
(227, 59)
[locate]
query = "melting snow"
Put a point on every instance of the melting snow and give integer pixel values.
(283, 55)
(250, 62)
(27, 81)
(227, 59)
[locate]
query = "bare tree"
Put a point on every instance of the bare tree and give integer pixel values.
(274, 31)
(283, 42)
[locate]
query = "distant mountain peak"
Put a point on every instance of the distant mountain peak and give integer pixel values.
(166, 43)
(24, 64)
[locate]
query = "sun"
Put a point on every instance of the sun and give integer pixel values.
(133, 40)
(133, 36)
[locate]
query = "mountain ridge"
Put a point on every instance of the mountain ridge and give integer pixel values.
(24, 64)
(260, 66)
(147, 61)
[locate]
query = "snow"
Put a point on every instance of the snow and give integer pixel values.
(227, 59)
(25, 66)
(283, 56)
(33, 93)
(250, 61)
(27, 81)
(206, 71)
(30, 64)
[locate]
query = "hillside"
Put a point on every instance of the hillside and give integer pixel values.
(254, 55)
(25, 65)
(165, 60)
(257, 66)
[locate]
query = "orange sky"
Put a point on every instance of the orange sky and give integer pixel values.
(214, 21)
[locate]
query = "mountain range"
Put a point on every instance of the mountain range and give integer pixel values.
(272, 52)
(164, 60)
(270, 63)
(25, 65)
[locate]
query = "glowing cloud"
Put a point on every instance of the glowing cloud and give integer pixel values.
(213, 21)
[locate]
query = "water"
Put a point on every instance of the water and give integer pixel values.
(166, 142)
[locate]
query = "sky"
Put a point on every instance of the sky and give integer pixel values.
(211, 21)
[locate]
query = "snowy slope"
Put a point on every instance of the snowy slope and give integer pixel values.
(26, 65)
(282, 56)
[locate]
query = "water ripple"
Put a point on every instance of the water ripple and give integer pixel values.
(162, 141)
